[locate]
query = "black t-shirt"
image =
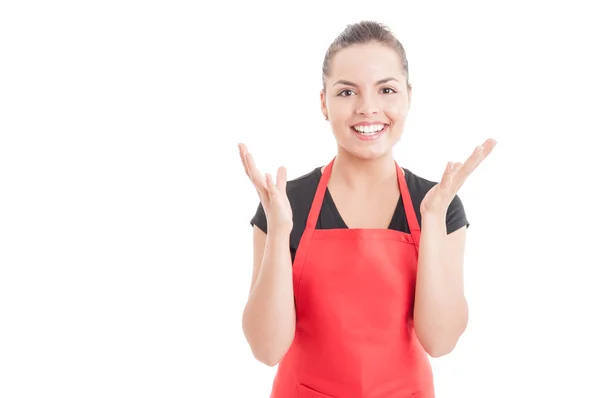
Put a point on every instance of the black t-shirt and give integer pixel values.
(301, 192)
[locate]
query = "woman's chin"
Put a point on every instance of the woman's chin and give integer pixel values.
(368, 153)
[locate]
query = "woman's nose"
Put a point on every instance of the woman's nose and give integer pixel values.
(367, 107)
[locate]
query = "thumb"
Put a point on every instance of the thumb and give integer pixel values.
(281, 178)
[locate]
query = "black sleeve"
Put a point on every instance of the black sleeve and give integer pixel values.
(260, 218)
(456, 217)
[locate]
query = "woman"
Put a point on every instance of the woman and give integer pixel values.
(358, 277)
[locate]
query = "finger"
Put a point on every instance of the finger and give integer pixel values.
(478, 155)
(243, 151)
(489, 144)
(470, 164)
(453, 180)
(457, 177)
(460, 172)
(447, 176)
(481, 152)
(255, 175)
(281, 179)
(271, 187)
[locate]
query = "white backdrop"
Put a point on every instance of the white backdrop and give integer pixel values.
(125, 243)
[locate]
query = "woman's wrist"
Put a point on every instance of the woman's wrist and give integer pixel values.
(279, 234)
(433, 218)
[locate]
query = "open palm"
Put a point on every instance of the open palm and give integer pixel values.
(272, 195)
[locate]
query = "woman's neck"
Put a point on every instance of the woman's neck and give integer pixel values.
(356, 173)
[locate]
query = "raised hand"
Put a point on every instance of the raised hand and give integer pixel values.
(272, 195)
(441, 195)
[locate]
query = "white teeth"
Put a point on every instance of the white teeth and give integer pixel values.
(369, 130)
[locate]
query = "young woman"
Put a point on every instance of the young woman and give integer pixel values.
(358, 264)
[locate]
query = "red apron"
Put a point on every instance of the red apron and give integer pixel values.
(354, 292)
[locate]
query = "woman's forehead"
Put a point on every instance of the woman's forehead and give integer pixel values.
(366, 63)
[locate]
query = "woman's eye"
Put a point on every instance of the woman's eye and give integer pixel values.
(388, 90)
(346, 93)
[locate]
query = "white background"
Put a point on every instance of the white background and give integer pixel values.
(125, 243)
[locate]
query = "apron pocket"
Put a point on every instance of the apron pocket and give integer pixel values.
(307, 392)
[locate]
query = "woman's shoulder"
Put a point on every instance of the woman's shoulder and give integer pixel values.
(303, 186)
(416, 183)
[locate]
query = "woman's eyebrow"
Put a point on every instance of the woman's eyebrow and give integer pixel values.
(349, 83)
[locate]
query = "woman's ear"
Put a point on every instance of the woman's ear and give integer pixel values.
(324, 105)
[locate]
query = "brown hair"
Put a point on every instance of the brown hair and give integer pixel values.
(362, 33)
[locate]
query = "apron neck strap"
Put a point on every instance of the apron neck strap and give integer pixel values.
(315, 209)
(409, 209)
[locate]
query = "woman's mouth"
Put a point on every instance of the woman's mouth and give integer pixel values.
(367, 132)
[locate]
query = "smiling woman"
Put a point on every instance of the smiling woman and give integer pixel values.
(366, 91)
(357, 272)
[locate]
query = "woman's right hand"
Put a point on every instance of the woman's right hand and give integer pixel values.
(272, 195)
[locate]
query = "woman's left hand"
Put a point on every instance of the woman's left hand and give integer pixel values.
(441, 195)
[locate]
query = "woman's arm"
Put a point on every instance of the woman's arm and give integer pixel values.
(269, 320)
(441, 312)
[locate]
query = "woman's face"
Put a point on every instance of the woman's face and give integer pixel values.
(366, 99)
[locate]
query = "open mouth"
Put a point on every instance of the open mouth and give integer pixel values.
(370, 131)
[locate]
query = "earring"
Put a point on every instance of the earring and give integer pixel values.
(326, 118)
